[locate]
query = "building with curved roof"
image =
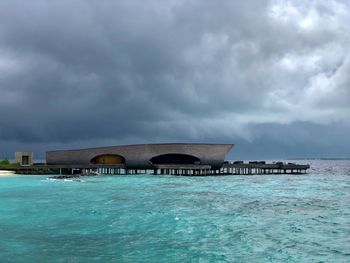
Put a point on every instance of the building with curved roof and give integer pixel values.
(144, 156)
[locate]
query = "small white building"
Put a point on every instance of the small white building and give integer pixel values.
(24, 158)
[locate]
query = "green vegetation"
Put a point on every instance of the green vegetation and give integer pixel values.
(6, 162)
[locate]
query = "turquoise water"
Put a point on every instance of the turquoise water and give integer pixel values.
(146, 218)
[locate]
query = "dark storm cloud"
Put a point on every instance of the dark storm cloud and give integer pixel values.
(76, 73)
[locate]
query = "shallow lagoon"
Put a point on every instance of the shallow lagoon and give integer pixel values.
(146, 218)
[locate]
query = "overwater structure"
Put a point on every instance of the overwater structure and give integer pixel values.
(144, 156)
(171, 158)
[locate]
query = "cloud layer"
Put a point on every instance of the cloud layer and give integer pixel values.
(255, 73)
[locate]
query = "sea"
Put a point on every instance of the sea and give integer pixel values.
(148, 218)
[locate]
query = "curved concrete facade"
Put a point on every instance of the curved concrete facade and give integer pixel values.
(139, 156)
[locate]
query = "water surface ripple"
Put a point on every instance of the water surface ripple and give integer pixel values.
(146, 218)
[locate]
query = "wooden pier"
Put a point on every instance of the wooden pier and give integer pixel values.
(264, 168)
(240, 168)
(228, 168)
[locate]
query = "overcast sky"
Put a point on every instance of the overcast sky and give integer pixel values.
(273, 77)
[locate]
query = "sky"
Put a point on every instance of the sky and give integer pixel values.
(272, 77)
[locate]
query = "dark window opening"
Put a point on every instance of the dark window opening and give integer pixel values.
(175, 158)
(25, 160)
(110, 159)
